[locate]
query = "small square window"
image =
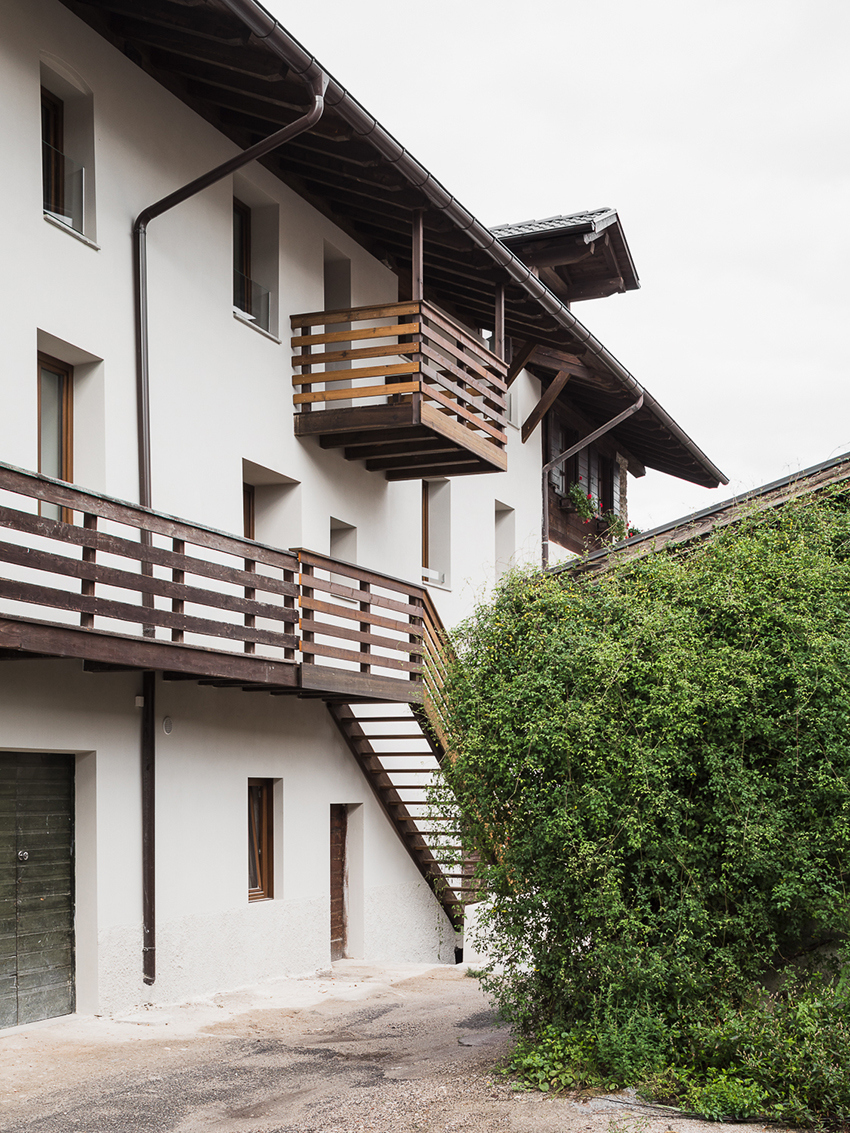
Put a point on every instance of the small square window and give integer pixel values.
(260, 839)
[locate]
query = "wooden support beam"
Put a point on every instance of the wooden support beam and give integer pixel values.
(499, 322)
(585, 425)
(561, 360)
(520, 359)
(417, 276)
(546, 402)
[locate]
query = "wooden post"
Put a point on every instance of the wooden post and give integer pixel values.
(89, 556)
(289, 603)
(178, 546)
(305, 570)
(306, 407)
(417, 272)
(250, 594)
(366, 607)
(417, 675)
(499, 322)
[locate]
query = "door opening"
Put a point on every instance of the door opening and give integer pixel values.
(339, 918)
(36, 887)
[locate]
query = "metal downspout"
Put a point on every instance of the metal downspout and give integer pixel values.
(565, 455)
(265, 27)
(148, 827)
(318, 82)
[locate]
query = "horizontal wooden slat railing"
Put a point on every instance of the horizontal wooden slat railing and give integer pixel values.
(359, 622)
(401, 352)
(122, 567)
(124, 570)
(438, 655)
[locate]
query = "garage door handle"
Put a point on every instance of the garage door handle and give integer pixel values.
(22, 855)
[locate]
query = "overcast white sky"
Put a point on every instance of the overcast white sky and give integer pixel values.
(719, 130)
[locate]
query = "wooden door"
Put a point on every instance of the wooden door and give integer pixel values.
(36, 887)
(339, 827)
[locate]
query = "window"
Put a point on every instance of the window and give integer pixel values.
(505, 541)
(271, 506)
(337, 297)
(53, 170)
(249, 511)
(343, 541)
(249, 297)
(260, 839)
(55, 427)
(567, 473)
(436, 532)
(67, 149)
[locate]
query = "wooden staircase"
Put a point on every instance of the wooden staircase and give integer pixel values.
(400, 757)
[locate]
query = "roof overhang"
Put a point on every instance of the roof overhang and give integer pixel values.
(231, 62)
(699, 524)
(581, 256)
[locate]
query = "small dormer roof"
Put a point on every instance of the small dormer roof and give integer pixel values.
(580, 255)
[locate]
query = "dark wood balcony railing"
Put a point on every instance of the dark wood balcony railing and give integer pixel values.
(401, 386)
(125, 586)
(357, 623)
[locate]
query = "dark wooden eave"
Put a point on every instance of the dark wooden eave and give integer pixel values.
(581, 256)
(699, 524)
(207, 57)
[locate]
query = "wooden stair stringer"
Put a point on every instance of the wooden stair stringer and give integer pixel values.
(394, 807)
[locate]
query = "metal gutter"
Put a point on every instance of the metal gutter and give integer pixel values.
(266, 28)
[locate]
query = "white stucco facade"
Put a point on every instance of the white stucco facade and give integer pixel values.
(221, 414)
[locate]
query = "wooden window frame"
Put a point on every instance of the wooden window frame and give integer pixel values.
(53, 169)
(261, 839)
(242, 256)
(65, 373)
(608, 469)
(249, 511)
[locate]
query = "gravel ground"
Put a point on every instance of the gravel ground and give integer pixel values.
(365, 1050)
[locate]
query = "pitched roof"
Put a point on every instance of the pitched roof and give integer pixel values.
(234, 65)
(583, 255)
(591, 220)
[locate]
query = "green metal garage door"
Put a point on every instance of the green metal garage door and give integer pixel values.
(36, 887)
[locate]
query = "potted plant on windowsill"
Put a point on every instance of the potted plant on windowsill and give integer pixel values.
(582, 503)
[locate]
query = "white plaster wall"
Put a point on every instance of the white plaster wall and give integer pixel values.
(220, 391)
(209, 936)
(473, 510)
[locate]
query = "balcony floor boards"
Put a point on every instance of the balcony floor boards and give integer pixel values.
(103, 651)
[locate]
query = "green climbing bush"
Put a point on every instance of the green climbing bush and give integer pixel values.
(654, 765)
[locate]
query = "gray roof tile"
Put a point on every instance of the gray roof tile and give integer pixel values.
(591, 218)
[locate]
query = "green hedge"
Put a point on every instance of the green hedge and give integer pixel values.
(655, 763)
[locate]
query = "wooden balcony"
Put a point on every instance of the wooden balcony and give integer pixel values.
(123, 587)
(402, 387)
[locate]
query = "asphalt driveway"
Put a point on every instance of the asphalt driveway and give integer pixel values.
(366, 1050)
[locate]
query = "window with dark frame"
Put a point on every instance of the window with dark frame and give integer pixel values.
(426, 529)
(241, 255)
(260, 839)
(55, 428)
(608, 469)
(249, 528)
(53, 160)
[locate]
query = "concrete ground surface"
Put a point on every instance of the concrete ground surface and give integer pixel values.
(365, 1049)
